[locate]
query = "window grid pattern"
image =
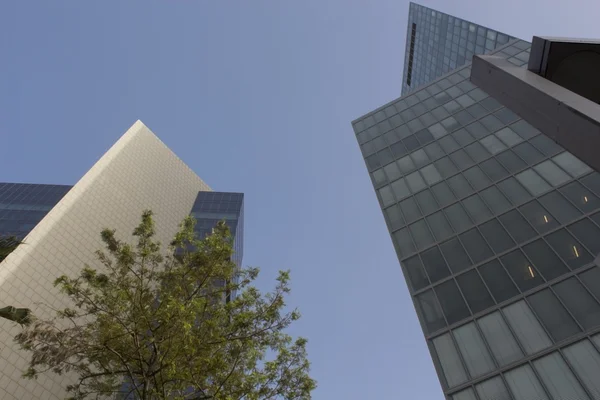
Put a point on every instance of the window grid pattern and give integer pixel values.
(490, 219)
(440, 43)
(22, 206)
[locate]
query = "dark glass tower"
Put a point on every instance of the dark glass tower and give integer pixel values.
(437, 43)
(497, 230)
(22, 206)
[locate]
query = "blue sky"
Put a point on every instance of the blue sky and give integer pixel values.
(256, 97)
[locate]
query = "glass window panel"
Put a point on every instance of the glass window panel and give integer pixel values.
(477, 152)
(415, 182)
(471, 346)
(410, 209)
(466, 394)
(580, 196)
(493, 389)
(495, 200)
(550, 171)
(524, 384)
(477, 130)
(461, 159)
(434, 151)
(569, 249)
(492, 123)
(416, 272)
(404, 243)
(392, 171)
(508, 137)
(563, 211)
(419, 157)
(434, 264)
(475, 246)
(588, 234)
(585, 360)
(506, 116)
(450, 124)
(373, 162)
(511, 161)
(447, 354)
(458, 217)
(398, 149)
(490, 104)
(441, 112)
(411, 143)
(579, 302)
(533, 182)
(426, 120)
(477, 208)
(437, 130)
(443, 194)
(497, 280)
(546, 145)
(452, 303)
(526, 327)
(521, 270)
(465, 100)
(528, 153)
(496, 236)
(592, 181)
(517, 226)
(574, 166)
(477, 178)
(385, 156)
(462, 137)
(475, 292)
(553, 315)
(448, 144)
(400, 189)
(394, 217)
(524, 130)
(493, 145)
(431, 174)
(426, 202)
(406, 164)
(494, 169)
(445, 167)
(558, 378)
(455, 255)
(460, 186)
(386, 195)
(431, 312)
(515, 192)
(452, 106)
(538, 216)
(440, 227)
(463, 118)
(424, 135)
(379, 177)
(500, 339)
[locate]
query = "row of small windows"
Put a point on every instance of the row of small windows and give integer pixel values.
(522, 329)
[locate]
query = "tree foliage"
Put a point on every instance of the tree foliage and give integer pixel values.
(19, 315)
(162, 325)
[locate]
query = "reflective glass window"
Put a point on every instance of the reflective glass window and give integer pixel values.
(558, 378)
(416, 272)
(492, 144)
(452, 303)
(447, 354)
(494, 169)
(455, 255)
(419, 157)
(496, 236)
(515, 192)
(474, 290)
(551, 173)
(415, 182)
(546, 145)
(477, 178)
(439, 225)
(421, 235)
(445, 167)
(526, 327)
(563, 211)
(538, 216)
(443, 194)
(434, 264)
(430, 311)
(517, 226)
(579, 302)
(406, 164)
(524, 384)
(448, 144)
(476, 208)
(394, 217)
(521, 270)
(477, 152)
(400, 189)
(475, 245)
(473, 349)
(493, 389)
(587, 233)
(431, 174)
(574, 166)
(580, 196)
(528, 153)
(585, 360)
(569, 249)
(426, 201)
(404, 243)
(387, 198)
(533, 182)
(410, 209)
(523, 129)
(511, 161)
(553, 315)
(459, 186)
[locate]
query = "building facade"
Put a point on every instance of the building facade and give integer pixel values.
(61, 227)
(437, 43)
(497, 230)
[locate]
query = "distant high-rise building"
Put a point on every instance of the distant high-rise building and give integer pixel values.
(61, 228)
(496, 225)
(437, 43)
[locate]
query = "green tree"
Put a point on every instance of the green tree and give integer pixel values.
(19, 315)
(161, 323)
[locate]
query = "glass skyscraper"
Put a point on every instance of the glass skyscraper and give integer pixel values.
(496, 227)
(437, 43)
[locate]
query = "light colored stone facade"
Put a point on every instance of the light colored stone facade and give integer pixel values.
(138, 172)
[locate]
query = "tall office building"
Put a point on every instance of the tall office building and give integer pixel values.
(61, 226)
(496, 226)
(437, 43)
